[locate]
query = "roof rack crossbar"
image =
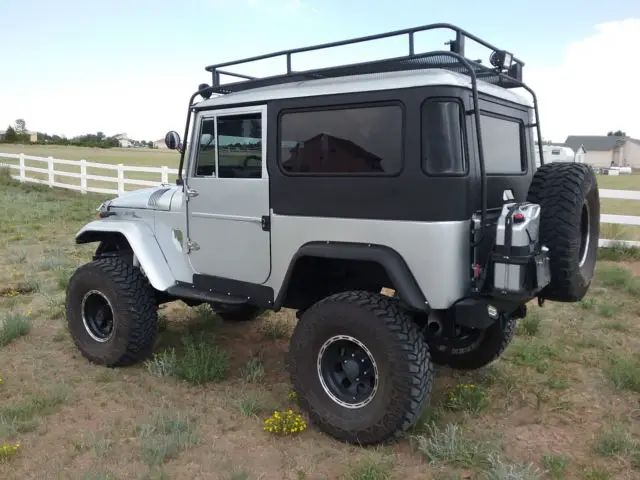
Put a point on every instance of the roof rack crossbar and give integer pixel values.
(456, 46)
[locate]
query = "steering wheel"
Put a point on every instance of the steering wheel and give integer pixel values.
(245, 162)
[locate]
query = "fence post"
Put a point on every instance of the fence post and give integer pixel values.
(83, 176)
(21, 176)
(165, 174)
(51, 171)
(120, 178)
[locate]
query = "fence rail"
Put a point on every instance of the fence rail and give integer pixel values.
(119, 179)
(163, 172)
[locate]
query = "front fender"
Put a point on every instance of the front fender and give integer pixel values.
(143, 243)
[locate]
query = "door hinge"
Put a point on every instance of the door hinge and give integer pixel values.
(266, 223)
(192, 246)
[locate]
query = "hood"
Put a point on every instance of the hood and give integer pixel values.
(155, 198)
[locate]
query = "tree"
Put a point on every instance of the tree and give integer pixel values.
(617, 133)
(11, 135)
(21, 126)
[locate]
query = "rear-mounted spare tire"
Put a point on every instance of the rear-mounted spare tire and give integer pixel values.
(569, 226)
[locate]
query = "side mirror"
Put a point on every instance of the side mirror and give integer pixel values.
(172, 140)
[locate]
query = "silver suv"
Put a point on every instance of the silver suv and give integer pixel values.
(394, 204)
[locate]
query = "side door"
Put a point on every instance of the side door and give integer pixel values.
(228, 196)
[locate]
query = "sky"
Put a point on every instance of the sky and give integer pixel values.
(74, 67)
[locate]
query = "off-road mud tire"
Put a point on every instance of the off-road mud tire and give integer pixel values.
(133, 305)
(236, 313)
(563, 190)
(486, 347)
(405, 372)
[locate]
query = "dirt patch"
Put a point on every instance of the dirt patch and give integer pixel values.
(633, 266)
(14, 291)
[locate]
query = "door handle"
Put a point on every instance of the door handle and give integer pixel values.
(192, 193)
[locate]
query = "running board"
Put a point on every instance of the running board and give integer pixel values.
(185, 290)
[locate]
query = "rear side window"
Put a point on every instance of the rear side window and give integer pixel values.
(443, 151)
(502, 145)
(356, 140)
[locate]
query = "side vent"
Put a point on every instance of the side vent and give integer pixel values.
(155, 196)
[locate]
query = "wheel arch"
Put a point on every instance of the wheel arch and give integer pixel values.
(140, 239)
(346, 253)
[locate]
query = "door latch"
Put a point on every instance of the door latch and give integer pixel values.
(192, 193)
(266, 223)
(191, 246)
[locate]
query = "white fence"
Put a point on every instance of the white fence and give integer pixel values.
(164, 172)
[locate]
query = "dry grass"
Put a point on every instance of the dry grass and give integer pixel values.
(562, 400)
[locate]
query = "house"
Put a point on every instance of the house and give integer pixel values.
(123, 140)
(607, 150)
(33, 136)
(160, 144)
(327, 153)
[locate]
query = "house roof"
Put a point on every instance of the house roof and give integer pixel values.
(592, 142)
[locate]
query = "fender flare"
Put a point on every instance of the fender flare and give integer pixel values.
(143, 243)
(392, 262)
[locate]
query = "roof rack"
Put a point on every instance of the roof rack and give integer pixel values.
(506, 70)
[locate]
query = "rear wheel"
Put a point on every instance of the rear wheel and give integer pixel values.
(471, 348)
(360, 367)
(111, 312)
(569, 226)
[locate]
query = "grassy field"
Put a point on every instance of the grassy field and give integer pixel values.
(561, 403)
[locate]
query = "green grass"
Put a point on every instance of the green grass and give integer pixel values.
(253, 371)
(275, 329)
(23, 415)
(250, 405)
(556, 465)
(165, 436)
(618, 253)
(373, 466)
(624, 372)
(595, 473)
(530, 354)
(619, 182)
(616, 442)
(530, 325)
(469, 398)
(13, 326)
(501, 470)
(449, 445)
(202, 362)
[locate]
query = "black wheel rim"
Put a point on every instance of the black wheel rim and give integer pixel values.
(97, 316)
(465, 341)
(585, 232)
(347, 371)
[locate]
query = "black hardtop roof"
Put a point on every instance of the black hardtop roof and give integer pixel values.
(453, 60)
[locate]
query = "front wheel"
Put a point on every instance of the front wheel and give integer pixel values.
(360, 367)
(111, 312)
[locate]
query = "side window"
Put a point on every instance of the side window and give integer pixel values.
(236, 142)
(206, 156)
(443, 151)
(353, 140)
(240, 146)
(502, 145)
